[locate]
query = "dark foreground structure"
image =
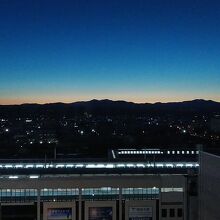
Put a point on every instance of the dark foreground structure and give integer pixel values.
(209, 187)
(151, 184)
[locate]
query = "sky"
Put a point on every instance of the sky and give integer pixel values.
(134, 50)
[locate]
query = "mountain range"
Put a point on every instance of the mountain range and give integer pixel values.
(110, 107)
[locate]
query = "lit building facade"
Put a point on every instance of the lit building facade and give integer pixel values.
(94, 190)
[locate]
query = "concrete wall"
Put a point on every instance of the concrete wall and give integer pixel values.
(209, 193)
(94, 181)
(172, 197)
(193, 207)
(172, 200)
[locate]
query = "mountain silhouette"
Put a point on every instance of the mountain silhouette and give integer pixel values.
(110, 107)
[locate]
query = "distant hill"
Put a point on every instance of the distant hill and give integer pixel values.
(109, 107)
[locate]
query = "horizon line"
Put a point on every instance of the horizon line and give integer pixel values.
(117, 100)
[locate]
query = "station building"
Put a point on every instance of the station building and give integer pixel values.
(155, 187)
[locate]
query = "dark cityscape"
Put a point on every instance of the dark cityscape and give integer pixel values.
(90, 129)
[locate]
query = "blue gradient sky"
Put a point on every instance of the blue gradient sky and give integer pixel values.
(136, 50)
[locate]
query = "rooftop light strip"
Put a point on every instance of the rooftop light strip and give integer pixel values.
(101, 165)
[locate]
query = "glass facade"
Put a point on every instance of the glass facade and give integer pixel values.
(18, 195)
(103, 193)
(59, 194)
(140, 193)
(71, 194)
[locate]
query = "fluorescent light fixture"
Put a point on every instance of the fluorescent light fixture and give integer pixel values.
(8, 166)
(13, 177)
(179, 165)
(59, 166)
(113, 154)
(79, 165)
(110, 166)
(34, 177)
(140, 165)
(159, 165)
(29, 166)
(120, 165)
(39, 166)
(90, 166)
(169, 165)
(130, 165)
(100, 166)
(19, 166)
(69, 165)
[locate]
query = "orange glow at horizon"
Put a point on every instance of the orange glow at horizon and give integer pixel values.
(135, 99)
